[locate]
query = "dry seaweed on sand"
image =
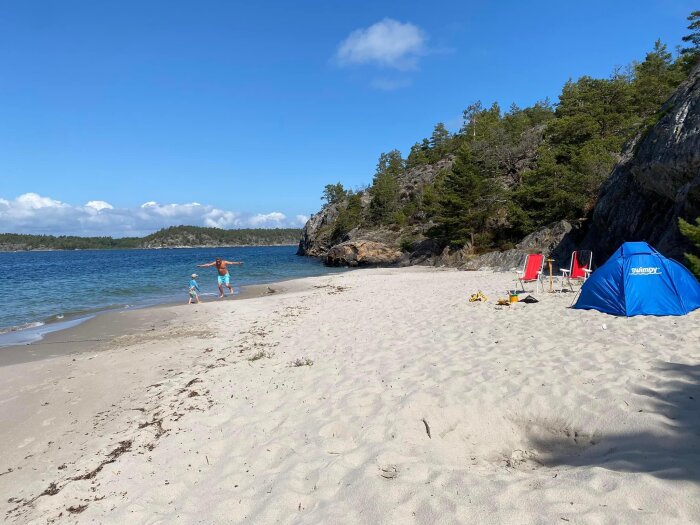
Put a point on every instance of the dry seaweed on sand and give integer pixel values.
(262, 354)
(301, 361)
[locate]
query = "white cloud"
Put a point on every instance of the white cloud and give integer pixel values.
(272, 219)
(99, 205)
(387, 43)
(33, 201)
(222, 219)
(33, 213)
(302, 219)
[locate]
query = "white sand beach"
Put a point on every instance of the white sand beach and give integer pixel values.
(419, 407)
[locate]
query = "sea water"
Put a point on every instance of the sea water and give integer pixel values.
(44, 290)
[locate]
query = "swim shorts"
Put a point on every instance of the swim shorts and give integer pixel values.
(223, 279)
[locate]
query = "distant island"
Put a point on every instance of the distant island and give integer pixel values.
(173, 237)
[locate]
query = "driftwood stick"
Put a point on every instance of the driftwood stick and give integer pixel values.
(427, 428)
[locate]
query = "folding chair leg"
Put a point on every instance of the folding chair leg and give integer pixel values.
(575, 297)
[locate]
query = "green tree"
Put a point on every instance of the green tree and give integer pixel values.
(418, 156)
(463, 203)
(470, 119)
(593, 120)
(333, 193)
(692, 232)
(440, 137)
(654, 80)
(385, 187)
(694, 37)
(349, 217)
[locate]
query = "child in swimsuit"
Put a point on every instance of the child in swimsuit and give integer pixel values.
(194, 290)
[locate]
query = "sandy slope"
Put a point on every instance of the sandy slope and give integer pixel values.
(536, 413)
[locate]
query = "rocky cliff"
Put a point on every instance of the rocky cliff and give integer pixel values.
(316, 237)
(657, 181)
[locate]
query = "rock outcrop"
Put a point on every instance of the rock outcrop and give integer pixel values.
(363, 253)
(657, 181)
(553, 240)
(316, 237)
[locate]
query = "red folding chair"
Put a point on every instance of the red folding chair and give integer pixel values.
(532, 271)
(580, 267)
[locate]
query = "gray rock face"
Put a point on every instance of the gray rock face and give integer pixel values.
(316, 236)
(551, 241)
(363, 253)
(657, 181)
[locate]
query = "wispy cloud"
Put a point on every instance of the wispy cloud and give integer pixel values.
(388, 43)
(33, 213)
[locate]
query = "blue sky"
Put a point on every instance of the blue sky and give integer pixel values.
(249, 108)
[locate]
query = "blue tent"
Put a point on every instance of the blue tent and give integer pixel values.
(638, 280)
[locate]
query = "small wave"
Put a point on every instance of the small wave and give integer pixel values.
(21, 327)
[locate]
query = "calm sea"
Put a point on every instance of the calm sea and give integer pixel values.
(57, 288)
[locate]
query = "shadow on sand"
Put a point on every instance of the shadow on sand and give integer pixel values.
(671, 452)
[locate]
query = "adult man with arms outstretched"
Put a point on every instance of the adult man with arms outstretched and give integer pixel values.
(223, 278)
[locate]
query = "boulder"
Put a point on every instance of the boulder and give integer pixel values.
(363, 253)
(424, 252)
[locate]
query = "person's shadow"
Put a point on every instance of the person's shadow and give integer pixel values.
(671, 452)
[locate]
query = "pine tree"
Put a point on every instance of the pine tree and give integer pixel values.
(385, 187)
(417, 156)
(439, 137)
(462, 203)
(692, 232)
(694, 37)
(654, 80)
(333, 193)
(349, 217)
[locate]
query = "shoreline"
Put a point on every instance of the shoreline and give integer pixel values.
(33, 330)
(84, 332)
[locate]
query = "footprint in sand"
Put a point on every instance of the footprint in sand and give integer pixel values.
(47, 422)
(388, 471)
(25, 442)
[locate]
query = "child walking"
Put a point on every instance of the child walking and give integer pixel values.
(194, 290)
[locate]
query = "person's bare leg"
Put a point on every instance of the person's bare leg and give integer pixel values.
(230, 289)
(221, 291)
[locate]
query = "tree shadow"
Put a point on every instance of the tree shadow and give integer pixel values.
(670, 451)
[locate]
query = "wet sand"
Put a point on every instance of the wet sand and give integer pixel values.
(106, 326)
